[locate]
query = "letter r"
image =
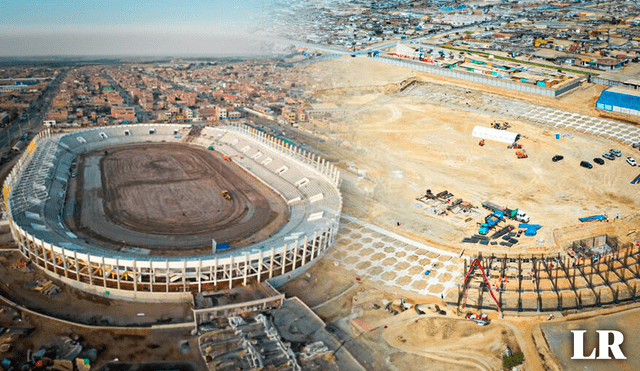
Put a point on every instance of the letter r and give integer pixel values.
(604, 346)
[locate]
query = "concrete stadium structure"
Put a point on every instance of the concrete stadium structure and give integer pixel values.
(35, 190)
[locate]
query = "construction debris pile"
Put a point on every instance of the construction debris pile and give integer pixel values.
(65, 354)
(253, 343)
(44, 286)
(443, 203)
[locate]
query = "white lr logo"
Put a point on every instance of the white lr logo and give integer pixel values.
(603, 345)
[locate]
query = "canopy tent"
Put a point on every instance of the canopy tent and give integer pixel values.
(495, 134)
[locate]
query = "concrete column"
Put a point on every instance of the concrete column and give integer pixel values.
(246, 268)
(304, 250)
(64, 262)
(184, 274)
(284, 258)
(118, 272)
(319, 243)
(260, 266)
(166, 272)
(75, 258)
(135, 276)
(215, 272)
(273, 258)
(231, 273)
(295, 253)
(199, 273)
(152, 275)
(90, 269)
(104, 273)
(44, 254)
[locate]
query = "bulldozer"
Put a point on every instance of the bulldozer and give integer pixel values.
(226, 195)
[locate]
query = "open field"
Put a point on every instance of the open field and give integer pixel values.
(169, 198)
(401, 143)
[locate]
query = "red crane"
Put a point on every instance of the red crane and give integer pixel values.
(474, 264)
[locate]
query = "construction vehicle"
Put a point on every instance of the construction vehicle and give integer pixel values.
(516, 214)
(521, 153)
(491, 206)
(228, 158)
(226, 195)
(490, 221)
(481, 143)
(500, 126)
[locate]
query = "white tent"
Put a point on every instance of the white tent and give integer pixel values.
(504, 136)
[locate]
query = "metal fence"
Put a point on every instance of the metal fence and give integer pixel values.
(601, 81)
(421, 66)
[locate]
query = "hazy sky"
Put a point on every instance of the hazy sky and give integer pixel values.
(134, 27)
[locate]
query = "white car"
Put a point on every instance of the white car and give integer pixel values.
(631, 161)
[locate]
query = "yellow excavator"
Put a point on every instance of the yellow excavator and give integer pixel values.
(226, 195)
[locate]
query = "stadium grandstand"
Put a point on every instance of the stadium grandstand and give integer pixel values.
(34, 195)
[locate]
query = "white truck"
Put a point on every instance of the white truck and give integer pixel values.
(521, 216)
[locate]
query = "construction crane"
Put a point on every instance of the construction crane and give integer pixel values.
(467, 279)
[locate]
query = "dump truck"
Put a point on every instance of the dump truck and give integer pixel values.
(226, 195)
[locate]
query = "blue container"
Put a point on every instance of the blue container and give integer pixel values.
(557, 136)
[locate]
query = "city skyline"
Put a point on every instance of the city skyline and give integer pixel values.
(47, 28)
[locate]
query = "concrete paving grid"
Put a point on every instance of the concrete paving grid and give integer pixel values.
(383, 256)
(545, 116)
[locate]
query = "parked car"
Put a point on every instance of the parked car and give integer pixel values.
(631, 161)
(557, 158)
(598, 161)
(608, 156)
(586, 164)
(616, 153)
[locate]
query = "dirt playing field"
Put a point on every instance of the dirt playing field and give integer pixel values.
(169, 198)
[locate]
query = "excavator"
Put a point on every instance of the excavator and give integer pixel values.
(226, 195)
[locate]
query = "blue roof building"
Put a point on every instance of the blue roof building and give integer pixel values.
(621, 100)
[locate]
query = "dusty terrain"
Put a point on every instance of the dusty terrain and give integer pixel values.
(74, 305)
(169, 197)
(559, 340)
(103, 346)
(401, 145)
(356, 310)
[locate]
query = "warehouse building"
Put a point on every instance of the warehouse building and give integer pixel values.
(621, 100)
